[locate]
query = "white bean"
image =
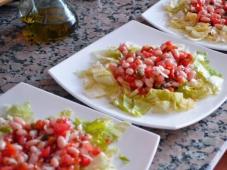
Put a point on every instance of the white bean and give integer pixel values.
(33, 133)
(2, 144)
(15, 125)
(158, 52)
(32, 142)
(41, 145)
(34, 149)
(47, 167)
(74, 151)
(33, 158)
(204, 19)
(2, 121)
(149, 82)
(18, 147)
(130, 71)
(9, 161)
(19, 120)
(49, 131)
(61, 142)
(125, 65)
(130, 59)
(139, 83)
(21, 132)
(54, 162)
(22, 157)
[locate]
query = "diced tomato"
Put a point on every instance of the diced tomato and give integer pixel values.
(21, 139)
(198, 7)
(175, 55)
(51, 140)
(133, 85)
(147, 48)
(226, 21)
(95, 151)
(180, 79)
(185, 59)
(67, 160)
(149, 71)
(147, 54)
(158, 59)
(225, 6)
(22, 166)
(6, 168)
(143, 91)
(45, 152)
(61, 127)
(129, 78)
(128, 55)
(9, 151)
(172, 73)
(85, 161)
(168, 46)
(161, 63)
(159, 79)
(84, 137)
(39, 125)
(215, 20)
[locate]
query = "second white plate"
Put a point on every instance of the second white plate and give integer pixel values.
(157, 16)
(45, 105)
(64, 74)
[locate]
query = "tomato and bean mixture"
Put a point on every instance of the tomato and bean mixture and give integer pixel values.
(50, 144)
(165, 67)
(210, 11)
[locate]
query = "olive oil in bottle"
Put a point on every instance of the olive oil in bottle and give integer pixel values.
(48, 21)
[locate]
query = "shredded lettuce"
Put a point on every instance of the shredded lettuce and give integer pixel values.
(101, 162)
(66, 113)
(202, 61)
(104, 131)
(124, 159)
(4, 129)
(23, 111)
(136, 105)
(157, 100)
(99, 81)
(176, 7)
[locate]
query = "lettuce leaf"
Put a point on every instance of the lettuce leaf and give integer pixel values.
(157, 100)
(203, 63)
(23, 111)
(99, 82)
(167, 101)
(104, 131)
(175, 7)
(101, 162)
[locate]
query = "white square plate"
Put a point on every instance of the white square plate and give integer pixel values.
(137, 144)
(157, 16)
(64, 74)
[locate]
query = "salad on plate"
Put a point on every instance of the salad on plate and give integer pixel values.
(56, 143)
(161, 79)
(199, 19)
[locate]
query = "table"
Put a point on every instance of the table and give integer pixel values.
(196, 147)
